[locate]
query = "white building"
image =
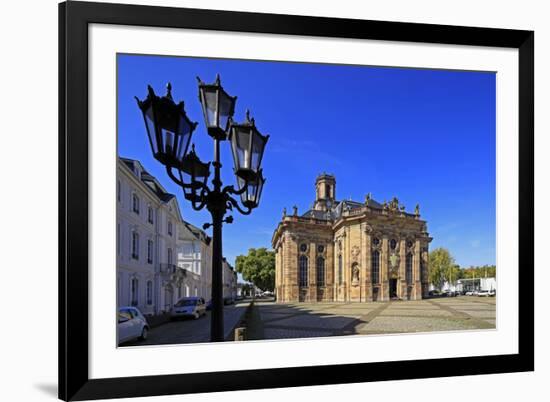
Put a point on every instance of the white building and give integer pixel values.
(477, 284)
(194, 255)
(147, 217)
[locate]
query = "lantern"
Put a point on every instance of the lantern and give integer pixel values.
(168, 127)
(217, 107)
(247, 145)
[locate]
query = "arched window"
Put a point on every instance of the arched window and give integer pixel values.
(375, 266)
(409, 269)
(303, 270)
(340, 269)
(320, 271)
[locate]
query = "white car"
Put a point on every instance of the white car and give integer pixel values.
(131, 325)
(188, 307)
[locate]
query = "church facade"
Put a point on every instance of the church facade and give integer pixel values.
(350, 251)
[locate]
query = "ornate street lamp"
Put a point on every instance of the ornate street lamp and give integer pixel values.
(247, 144)
(168, 128)
(196, 173)
(250, 197)
(217, 107)
(169, 131)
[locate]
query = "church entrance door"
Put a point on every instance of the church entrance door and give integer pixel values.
(393, 288)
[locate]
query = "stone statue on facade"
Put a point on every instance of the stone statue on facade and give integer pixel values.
(355, 273)
(284, 213)
(417, 210)
(295, 210)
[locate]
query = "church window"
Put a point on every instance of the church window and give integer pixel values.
(340, 269)
(409, 269)
(320, 249)
(375, 266)
(320, 271)
(303, 247)
(376, 241)
(303, 270)
(393, 244)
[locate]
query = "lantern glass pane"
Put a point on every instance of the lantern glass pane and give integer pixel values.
(168, 138)
(260, 188)
(258, 145)
(243, 147)
(151, 130)
(185, 130)
(226, 107)
(210, 106)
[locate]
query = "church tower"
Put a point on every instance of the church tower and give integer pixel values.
(325, 192)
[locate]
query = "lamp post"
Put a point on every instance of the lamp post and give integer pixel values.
(169, 131)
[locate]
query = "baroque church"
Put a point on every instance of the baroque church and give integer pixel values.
(350, 251)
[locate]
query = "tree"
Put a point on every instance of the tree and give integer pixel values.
(258, 267)
(442, 267)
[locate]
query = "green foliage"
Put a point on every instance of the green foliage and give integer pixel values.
(258, 267)
(485, 271)
(442, 267)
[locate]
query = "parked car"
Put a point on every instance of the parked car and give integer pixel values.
(228, 300)
(132, 324)
(483, 293)
(188, 307)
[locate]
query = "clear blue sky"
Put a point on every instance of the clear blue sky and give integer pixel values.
(425, 136)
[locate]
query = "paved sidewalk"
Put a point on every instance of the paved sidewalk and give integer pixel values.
(302, 320)
(192, 331)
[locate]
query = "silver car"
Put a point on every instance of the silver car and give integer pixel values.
(189, 307)
(132, 324)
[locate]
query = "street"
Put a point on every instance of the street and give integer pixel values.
(188, 330)
(302, 320)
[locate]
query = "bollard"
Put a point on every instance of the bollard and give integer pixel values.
(240, 334)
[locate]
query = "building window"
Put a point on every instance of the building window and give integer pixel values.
(320, 271)
(118, 238)
(169, 256)
(320, 249)
(149, 293)
(135, 245)
(135, 292)
(179, 292)
(340, 269)
(149, 251)
(375, 266)
(376, 241)
(393, 244)
(170, 228)
(150, 214)
(135, 203)
(409, 269)
(303, 270)
(303, 247)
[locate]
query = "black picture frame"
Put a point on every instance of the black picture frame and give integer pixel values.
(74, 18)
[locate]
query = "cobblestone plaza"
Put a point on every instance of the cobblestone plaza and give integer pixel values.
(302, 320)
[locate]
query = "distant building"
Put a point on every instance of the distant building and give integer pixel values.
(476, 284)
(195, 257)
(229, 280)
(350, 251)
